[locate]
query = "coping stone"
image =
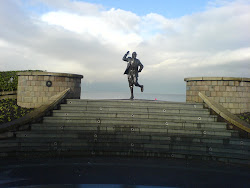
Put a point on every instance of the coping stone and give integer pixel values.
(49, 74)
(241, 79)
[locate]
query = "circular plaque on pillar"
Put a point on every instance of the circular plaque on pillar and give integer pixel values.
(48, 83)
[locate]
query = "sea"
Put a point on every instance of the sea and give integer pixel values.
(126, 95)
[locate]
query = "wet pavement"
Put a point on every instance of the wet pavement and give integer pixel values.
(121, 172)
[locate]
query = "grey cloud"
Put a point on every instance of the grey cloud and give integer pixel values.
(230, 69)
(16, 26)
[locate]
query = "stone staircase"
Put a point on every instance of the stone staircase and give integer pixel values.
(130, 128)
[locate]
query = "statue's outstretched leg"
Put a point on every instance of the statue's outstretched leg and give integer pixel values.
(132, 92)
(138, 85)
(142, 88)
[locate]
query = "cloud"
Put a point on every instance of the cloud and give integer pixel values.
(84, 38)
(106, 29)
(79, 7)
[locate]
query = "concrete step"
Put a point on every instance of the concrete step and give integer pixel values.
(221, 157)
(240, 154)
(226, 150)
(229, 147)
(123, 124)
(136, 129)
(67, 132)
(187, 155)
(137, 103)
(8, 144)
(169, 110)
(124, 145)
(136, 137)
(142, 117)
(125, 121)
(132, 113)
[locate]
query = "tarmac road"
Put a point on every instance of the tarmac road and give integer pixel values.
(121, 173)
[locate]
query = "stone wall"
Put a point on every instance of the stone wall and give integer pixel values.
(35, 88)
(232, 93)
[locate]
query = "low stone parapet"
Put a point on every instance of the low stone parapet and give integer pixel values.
(232, 93)
(35, 88)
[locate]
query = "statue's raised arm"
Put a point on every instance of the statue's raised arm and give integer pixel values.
(125, 56)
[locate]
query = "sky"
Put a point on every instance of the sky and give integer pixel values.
(173, 40)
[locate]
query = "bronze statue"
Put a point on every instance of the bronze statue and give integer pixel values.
(132, 72)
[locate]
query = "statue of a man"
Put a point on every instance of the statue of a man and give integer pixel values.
(132, 72)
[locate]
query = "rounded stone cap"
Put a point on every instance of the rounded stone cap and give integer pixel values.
(217, 79)
(33, 73)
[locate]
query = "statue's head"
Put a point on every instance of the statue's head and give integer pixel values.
(134, 54)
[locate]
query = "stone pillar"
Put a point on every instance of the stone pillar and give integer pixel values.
(35, 88)
(232, 93)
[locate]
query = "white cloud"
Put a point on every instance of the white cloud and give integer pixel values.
(106, 28)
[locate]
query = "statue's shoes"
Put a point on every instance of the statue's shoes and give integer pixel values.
(142, 88)
(132, 97)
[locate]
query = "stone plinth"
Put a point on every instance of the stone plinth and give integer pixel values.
(232, 93)
(35, 88)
